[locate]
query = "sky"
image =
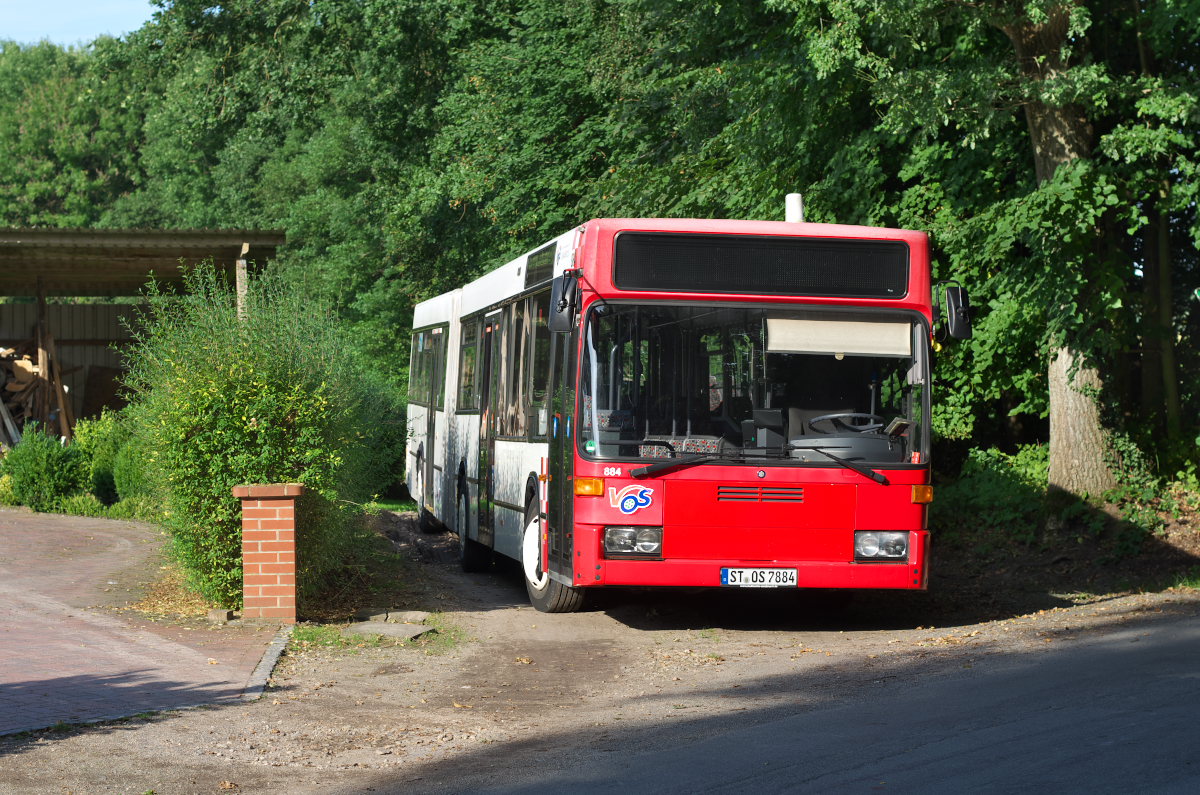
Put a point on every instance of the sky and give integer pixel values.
(68, 22)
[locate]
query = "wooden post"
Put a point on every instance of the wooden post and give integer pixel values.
(242, 281)
(41, 402)
(66, 417)
(269, 551)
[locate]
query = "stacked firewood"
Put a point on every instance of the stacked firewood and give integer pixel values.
(32, 390)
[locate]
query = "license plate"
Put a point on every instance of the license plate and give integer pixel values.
(759, 578)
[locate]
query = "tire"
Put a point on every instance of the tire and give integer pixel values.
(473, 556)
(546, 594)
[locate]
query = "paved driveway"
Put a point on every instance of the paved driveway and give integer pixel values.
(66, 655)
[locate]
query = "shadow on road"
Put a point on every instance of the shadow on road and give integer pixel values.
(1107, 710)
(64, 703)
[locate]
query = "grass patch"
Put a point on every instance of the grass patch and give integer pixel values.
(399, 506)
(307, 636)
(1191, 580)
(445, 637)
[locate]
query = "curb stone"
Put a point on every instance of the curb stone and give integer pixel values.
(262, 673)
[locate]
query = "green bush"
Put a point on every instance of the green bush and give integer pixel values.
(100, 440)
(142, 509)
(43, 471)
(277, 396)
(7, 495)
(131, 470)
(995, 492)
(81, 505)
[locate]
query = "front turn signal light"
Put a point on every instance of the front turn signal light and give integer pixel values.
(922, 495)
(589, 487)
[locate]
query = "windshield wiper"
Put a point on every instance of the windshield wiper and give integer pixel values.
(859, 468)
(671, 463)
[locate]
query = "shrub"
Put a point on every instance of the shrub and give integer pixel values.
(81, 505)
(142, 509)
(995, 492)
(100, 440)
(131, 470)
(7, 495)
(43, 471)
(277, 396)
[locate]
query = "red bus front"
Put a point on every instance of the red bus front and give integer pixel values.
(751, 409)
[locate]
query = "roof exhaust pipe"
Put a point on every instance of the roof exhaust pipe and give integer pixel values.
(793, 205)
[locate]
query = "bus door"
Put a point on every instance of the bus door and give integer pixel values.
(562, 454)
(437, 387)
(491, 374)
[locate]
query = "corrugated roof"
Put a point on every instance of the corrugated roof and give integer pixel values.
(81, 262)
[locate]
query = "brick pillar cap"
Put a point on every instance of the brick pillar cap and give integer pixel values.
(268, 490)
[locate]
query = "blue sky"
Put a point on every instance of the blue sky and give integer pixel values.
(70, 21)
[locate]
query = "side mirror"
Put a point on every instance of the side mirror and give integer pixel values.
(958, 312)
(563, 292)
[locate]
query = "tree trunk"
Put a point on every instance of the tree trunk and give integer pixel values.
(1164, 323)
(1152, 373)
(1077, 442)
(1060, 134)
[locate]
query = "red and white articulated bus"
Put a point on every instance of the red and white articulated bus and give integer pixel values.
(668, 402)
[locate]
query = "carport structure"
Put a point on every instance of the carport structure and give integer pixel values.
(74, 341)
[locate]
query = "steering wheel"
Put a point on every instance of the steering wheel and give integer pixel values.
(875, 422)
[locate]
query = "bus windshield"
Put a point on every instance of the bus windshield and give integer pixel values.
(754, 383)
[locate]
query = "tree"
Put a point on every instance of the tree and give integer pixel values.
(940, 70)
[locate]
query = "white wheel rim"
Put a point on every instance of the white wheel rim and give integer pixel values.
(531, 555)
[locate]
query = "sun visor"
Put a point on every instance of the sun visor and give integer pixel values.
(853, 338)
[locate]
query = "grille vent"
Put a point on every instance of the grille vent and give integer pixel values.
(760, 494)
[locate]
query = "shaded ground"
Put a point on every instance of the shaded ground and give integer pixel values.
(641, 671)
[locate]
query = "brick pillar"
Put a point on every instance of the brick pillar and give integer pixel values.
(269, 551)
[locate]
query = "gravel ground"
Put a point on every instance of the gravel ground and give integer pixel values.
(640, 671)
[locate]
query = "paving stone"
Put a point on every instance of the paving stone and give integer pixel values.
(64, 660)
(408, 616)
(399, 631)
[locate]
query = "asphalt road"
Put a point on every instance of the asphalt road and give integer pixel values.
(1114, 713)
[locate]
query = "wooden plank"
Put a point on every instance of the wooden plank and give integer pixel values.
(42, 400)
(9, 426)
(66, 417)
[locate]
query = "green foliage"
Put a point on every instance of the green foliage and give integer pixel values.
(100, 440)
(81, 505)
(142, 509)
(277, 396)
(132, 473)
(995, 493)
(407, 145)
(8, 496)
(43, 471)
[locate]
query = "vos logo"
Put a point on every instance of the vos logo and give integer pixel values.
(630, 499)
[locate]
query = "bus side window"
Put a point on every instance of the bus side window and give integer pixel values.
(517, 363)
(437, 369)
(468, 389)
(539, 310)
(418, 371)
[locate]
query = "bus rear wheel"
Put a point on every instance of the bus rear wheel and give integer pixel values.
(546, 594)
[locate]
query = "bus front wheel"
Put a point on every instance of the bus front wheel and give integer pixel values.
(546, 594)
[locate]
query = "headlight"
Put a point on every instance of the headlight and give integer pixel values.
(880, 545)
(633, 542)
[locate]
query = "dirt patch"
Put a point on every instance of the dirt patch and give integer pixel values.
(651, 668)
